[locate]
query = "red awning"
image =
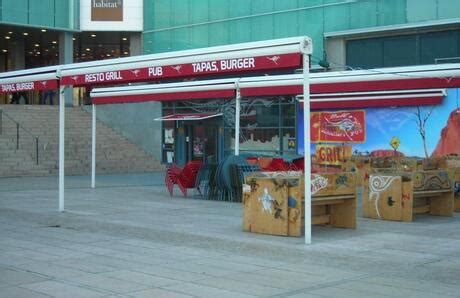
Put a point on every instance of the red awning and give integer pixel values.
(166, 94)
(42, 78)
(168, 71)
(278, 54)
(398, 98)
(188, 117)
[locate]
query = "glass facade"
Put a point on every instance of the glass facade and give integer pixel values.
(172, 25)
(57, 14)
(413, 49)
(267, 128)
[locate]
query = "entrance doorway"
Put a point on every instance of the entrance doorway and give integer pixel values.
(201, 140)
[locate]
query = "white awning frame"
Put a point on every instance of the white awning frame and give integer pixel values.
(259, 48)
(203, 117)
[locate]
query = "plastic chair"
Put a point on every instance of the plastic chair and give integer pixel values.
(184, 177)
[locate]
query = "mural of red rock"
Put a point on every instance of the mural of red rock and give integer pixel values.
(386, 153)
(448, 143)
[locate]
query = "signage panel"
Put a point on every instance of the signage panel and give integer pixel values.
(234, 65)
(28, 86)
(107, 10)
(339, 126)
(332, 154)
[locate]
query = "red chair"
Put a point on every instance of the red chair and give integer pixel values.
(184, 177)
(278, 164)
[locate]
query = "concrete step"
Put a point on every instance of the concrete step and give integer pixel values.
(114, 153)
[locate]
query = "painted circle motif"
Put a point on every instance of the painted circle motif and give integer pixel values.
(418, 179)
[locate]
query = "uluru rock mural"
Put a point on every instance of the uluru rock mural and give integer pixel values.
(449, 142)
(386, 153)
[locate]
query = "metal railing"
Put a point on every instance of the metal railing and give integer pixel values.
(18, 128)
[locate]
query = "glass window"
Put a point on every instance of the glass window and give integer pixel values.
(267, 127)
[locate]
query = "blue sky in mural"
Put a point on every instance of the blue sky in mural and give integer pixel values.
(384, 123)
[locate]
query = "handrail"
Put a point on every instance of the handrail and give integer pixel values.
(18, 126)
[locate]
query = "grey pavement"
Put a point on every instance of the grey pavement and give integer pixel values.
(129, 238)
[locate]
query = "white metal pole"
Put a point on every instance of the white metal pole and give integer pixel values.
(237, 120)
(306, 141)
(93, 149)
(61, 146)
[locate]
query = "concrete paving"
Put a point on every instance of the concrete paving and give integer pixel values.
(128, 238)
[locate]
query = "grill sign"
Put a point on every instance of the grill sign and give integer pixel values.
(332, 155)
(107, 10)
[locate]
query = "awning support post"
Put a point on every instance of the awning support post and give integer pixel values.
(237, 119)
(61, 146)
(306, 137)
(93, 149)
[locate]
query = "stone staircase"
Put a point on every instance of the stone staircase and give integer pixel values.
(114, 153)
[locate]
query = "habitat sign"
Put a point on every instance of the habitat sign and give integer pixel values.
(107, 10)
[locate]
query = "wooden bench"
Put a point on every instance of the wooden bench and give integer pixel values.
(335, 204)
(273, 203)
(398, 196)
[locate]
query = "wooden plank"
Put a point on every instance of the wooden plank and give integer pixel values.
(268, 212)
(296, 205)
(431, 193)
(247, 207)
(442, 205)
(321, 219)
(383, 197)
(328, 201)
(421, 209)
(344, 215)
(431, 180)
(407, 201)
(336, 183)
(325, 198)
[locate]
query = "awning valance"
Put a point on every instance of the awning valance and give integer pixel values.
(164, 92)
(29, 80)
(276, 54)
(377, 99)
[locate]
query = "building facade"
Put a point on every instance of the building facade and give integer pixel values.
(346, 34)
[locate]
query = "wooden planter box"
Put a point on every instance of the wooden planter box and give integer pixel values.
(273, 203)
(401, 195)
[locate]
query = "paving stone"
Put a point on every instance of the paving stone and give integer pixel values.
(16, 277)
(16, 292)
(113, 285)
(241, 287)
(128, 241)
(205, 291)
(50, 270)
(341, 292)
(12, 259)
(386, 290)
(171, 273)
(82, 265)
(141, 278)
(158, 293)
(64, 290)
(431, 287)
(271, 281)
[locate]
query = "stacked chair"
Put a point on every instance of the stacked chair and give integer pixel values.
(185, 177)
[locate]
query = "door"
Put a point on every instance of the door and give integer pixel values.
(201, 140)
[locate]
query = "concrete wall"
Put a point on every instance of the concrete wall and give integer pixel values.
(135, 122)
